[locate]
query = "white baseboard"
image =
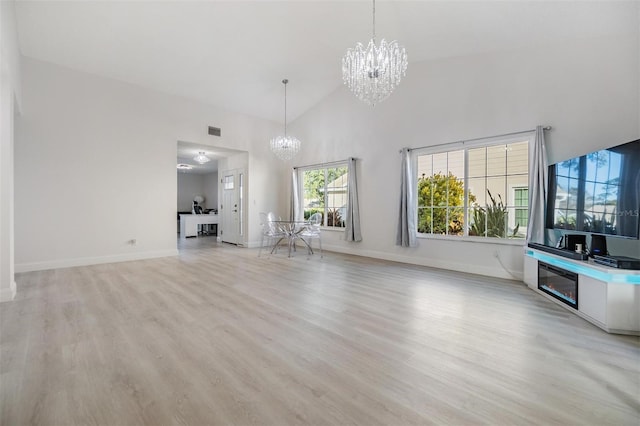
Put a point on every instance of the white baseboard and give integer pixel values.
(440, 264)
(412, 260)
(8, 294)
(253, 244)
(85, 261)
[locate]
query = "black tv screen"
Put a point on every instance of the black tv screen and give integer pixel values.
(597, 192)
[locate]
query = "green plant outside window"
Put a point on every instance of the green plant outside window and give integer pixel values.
(325, 192)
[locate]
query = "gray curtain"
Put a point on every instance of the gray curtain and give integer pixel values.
(629, 191)
(406, 236)
(295, 197)
(352, 225)
(537, 188)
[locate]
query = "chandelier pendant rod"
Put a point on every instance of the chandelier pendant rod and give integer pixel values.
(285, 81)
(374, 21)
(285, 147)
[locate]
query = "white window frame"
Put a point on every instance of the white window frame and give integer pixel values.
(301, 171)
(466, 145)
(512, 219)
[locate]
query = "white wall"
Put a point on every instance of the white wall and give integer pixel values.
(10, 101)
(86, 199)
(586, 89)
(210, 190)
(93, 154)
(189, 185)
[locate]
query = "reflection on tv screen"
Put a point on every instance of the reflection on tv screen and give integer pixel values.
(598, 192)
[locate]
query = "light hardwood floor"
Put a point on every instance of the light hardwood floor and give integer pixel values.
(220, 336)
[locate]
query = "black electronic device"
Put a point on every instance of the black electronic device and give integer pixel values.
(571, 254)
(598, 245)
(597, 192)
(572, 240)
(620, 262)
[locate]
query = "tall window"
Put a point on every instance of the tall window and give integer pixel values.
(478, 190)
(325, 192)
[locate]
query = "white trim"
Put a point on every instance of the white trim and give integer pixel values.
(8, 294)
(85, 261)
(300, 171)
(473, 239)
(489, 271)
(512, 219)
(464, 146)
(332, 228)
(328, 165)
(491, 141)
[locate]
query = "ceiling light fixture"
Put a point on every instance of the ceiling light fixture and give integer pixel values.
(184, 167)
(373, 74)
(285, 147)
(201, 158)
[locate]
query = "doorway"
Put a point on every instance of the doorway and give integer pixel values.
(232, 206)
(205, 183)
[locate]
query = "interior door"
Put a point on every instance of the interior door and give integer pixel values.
(232, 207)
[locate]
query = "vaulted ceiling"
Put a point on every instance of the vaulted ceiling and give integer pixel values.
(234, 54)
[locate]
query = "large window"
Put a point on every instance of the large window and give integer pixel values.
(325, 192)
(479, 190)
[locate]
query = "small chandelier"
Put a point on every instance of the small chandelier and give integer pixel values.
(285, 147)
(372, 74)
(201, 158)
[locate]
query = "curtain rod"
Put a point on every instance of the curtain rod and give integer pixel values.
(478, 139)
(330, 163)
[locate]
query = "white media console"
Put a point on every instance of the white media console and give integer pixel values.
(606, 297)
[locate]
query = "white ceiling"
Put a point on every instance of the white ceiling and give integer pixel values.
(188, 150)
(235, 54)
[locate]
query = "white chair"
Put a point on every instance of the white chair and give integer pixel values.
(312, 231)
(270, 231)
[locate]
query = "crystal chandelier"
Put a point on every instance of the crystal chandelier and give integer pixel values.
(285, 147)
(201, 158)
(374, 72)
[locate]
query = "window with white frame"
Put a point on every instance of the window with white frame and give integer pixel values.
(521, 199)
(477, 189)
(324, 191)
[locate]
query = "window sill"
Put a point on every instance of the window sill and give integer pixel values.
(331, 229)
(483, 240)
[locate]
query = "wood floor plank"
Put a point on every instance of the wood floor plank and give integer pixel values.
(218, 335)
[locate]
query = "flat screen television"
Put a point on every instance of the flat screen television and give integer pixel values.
(597, 193)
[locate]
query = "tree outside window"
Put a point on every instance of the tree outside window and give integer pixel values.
(325, 192)
(470, 191)
(441, 204)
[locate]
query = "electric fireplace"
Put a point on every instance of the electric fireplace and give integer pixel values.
(559, 283)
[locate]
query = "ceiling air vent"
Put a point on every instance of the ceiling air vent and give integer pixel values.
(214, 131)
